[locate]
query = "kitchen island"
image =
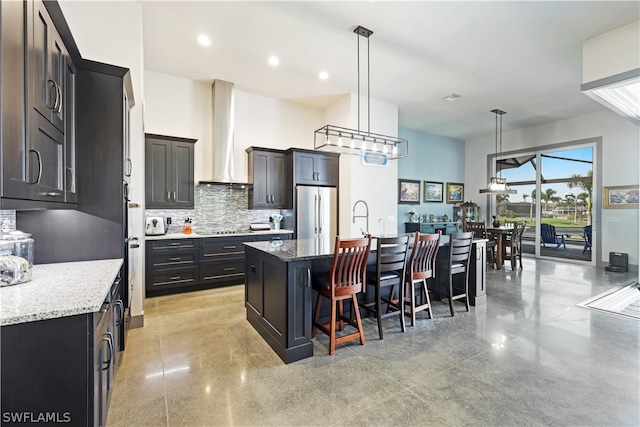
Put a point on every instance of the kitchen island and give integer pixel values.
(279, 298)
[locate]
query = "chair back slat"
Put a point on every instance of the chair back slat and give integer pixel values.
(349, 266)
(460, 248)
(422, 261)
(478, 228)
(391, 253)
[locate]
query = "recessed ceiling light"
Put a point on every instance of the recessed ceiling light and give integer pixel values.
(453, 97)
(323, 75)
(273, 60)
(204, 40)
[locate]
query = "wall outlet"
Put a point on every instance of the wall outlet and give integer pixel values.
(168, 220)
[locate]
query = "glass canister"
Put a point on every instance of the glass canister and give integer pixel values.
(16, 257)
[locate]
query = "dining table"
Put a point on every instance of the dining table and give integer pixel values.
(500, 234)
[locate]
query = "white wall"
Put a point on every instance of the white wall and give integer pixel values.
(116, 38)
(180, 107)
(620, 152)
(611, 53)
(373, 184)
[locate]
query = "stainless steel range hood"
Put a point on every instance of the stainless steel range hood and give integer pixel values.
(223, 127)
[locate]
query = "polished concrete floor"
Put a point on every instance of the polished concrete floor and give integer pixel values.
(527, 357)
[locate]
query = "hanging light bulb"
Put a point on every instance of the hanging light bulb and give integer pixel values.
(340, 141)
(384, 148)
(394, 151)
(353, 143)
(328, 141)
(374, 146)
(498, 184)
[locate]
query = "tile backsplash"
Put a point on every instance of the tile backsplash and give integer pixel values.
(216, 208)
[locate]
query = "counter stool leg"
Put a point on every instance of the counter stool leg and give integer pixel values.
(379, 310)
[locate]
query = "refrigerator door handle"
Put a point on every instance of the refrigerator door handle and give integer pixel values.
(315, 215)
(320, 212)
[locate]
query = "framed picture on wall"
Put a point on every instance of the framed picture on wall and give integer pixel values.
(621, 197)
(408, 191)
(433, 191)
(455, 192)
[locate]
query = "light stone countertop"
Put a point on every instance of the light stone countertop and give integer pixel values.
(58, 290)
(196, 235)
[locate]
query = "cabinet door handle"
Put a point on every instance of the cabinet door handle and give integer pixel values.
(39, 166)
(58, 105)
(174, 259)
(173, 244)
(174, 278)
(72, 186)
(109, 339)
(168, 198)
(229, 269)
(51, 193)
(51, 84)
(229, 247)
(272, 198)
(308, 277)
(120, 318)
(129, 167)
(175, 199)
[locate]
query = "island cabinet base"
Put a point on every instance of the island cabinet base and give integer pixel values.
(477, 275)
(278, 302)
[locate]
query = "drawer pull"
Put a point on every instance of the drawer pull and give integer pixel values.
(229, 247)
(174, 278)
(229, 269)
(175, 259)
(173, 244)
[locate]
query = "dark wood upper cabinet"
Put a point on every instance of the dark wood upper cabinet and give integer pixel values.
(169, 175)
(267, 173)
(312, 168)
(38, 110)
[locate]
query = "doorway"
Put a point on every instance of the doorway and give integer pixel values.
(554, 197)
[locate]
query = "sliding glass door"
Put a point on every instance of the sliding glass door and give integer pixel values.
(555, 199)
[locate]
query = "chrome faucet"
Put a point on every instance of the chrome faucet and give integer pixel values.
(383, 228)
(366, 214)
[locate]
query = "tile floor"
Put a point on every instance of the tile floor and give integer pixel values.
(528, 357)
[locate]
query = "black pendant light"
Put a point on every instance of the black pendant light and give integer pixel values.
(356, 141)
(498, 184)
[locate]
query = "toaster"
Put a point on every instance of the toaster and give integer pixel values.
(155, 226)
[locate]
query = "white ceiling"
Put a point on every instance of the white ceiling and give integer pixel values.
(521, 57)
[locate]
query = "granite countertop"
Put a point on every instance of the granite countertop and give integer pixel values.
(296, 250)
(305, 249)
(201, 234)
(58, 290)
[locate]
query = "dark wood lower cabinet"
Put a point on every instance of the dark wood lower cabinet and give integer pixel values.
(181, 265)
(61, 370)
(278, 303)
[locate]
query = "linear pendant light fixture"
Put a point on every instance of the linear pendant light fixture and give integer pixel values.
(498, 184)
(355, 141)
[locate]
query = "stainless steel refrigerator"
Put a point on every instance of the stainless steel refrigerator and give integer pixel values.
(316, 212)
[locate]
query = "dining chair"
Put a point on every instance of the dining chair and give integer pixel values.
(457, 262)
(346, 278)
(586, 234)
(548, 235)
(389, 271)
(479, 230)
(420, 268)
(512, 250)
